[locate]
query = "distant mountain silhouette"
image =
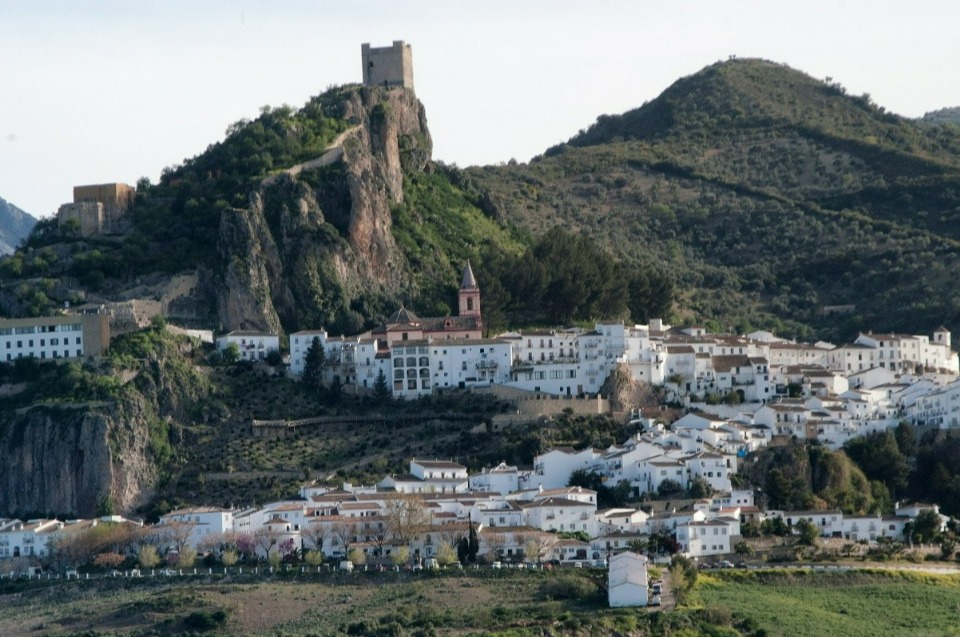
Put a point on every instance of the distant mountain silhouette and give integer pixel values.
(15, 225)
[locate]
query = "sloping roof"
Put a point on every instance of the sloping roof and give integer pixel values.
(450, 323)
(468, 279)
(403, 315)
(438, 464)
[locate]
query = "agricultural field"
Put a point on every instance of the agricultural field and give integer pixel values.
(801, 603)
(508, 603)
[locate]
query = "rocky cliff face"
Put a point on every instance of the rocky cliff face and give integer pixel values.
(74, 460)
(311, 242)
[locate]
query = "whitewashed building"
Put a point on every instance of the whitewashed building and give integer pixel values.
(627, 580)
(253, 346)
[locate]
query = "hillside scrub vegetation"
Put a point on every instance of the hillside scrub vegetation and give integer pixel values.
(769, 196)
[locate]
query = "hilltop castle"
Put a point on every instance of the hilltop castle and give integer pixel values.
(98, 208)
(388, 66)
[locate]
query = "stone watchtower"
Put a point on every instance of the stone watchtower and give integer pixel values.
(387, 66)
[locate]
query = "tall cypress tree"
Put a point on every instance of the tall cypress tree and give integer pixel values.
(313, 363)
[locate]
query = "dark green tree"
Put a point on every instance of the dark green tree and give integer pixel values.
(699, 488)
(807, 531)
(669, 487)
(906, 435)
(926, 528)
(381, 392)
(878, 455)
(313, 364)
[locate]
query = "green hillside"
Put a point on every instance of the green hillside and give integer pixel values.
(768, 195)
(317, 273)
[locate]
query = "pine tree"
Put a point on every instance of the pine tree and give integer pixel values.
(313, 364)
(381, 393)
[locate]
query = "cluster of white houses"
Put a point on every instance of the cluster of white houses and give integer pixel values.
(839, 391)
(438, 501)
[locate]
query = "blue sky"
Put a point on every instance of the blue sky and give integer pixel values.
(111, 90)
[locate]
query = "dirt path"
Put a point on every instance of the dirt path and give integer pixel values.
(331, 153)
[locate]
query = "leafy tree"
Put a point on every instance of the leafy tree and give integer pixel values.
(148, 556)
(742, 549)
(878, 455)
(400, 555)
(808, 532)
(357, 557)
(313, 557)
(231, 353)
(446, 554)
(699, 488)
(186, 557)
(108, 560)
(926, 527)
(313, 363)
(229, 557)
(683, 577)
(906, 435)
(669, 487)
(774, 526)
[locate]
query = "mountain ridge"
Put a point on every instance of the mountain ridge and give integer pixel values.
(15, 226)
(770, 195)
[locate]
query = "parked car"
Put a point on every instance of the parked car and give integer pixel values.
(71, 572)
(497, 565)
(726, 564)
(654, 601)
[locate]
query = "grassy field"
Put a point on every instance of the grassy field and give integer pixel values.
(854, 604)
(328, 604)
(461, 603)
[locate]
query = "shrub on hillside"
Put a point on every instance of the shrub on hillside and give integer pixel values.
(569, 587)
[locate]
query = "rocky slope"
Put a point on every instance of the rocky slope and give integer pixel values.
(61, 460)
(309, 246)
(94, 439)
(15, 225)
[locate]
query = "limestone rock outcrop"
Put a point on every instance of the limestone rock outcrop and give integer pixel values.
(75, 460)
(283, 267)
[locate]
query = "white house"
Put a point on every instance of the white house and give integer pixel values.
(709, 537)
(561, 514)
(502, 479)
(300, 343)
(429, 476)
(253, 346)
(201, 522)
(54, 337)
(627, 580)
(552, 469)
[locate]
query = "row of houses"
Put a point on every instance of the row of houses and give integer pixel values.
(435, 505)
(418, 356)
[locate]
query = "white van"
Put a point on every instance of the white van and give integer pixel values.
(346, 565)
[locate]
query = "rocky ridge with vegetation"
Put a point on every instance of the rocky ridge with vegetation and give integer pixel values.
(773, 199)
(15, 225)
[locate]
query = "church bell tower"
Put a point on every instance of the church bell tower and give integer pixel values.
(469, 294)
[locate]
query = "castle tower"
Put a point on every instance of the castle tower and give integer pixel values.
(387, 66)
(469, 294)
